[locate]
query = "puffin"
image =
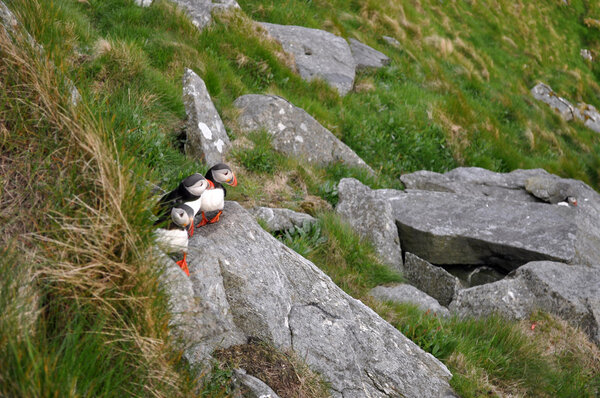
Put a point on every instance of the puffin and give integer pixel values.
(568, 201)
(174, 237)
(189, 189)
(214, 199)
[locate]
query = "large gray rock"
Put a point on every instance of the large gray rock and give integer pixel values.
(200, 316)
(544, 93)
(477, 182)
(431, 279)
(404, 293)
(267, 291)
(366, 57)
(206, 135)
(508, 297)
(294, 131)
(318, 54)
(371, 218)
(571, 292)
(446, 228)
(281, 219)
(200, 11)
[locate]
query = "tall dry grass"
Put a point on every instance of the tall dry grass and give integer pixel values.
(75, 217)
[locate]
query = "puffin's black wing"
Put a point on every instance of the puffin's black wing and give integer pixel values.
(165, 204)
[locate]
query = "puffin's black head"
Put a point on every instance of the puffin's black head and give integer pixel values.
(572, 200)
(196, 184)
(222, 174)
(182, 215)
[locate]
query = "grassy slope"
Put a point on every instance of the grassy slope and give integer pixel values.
(454, 94)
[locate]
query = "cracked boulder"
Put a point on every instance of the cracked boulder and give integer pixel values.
(570, 292)
(372, 218)
(259, 288)
(318, 54)
(281, 219)
(366, 57)
(207, 138)
(294, 132)
(200, 11)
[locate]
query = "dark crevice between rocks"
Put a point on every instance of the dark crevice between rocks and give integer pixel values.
(382, 390)
(328, 314)
(475, 275)
(476, 251)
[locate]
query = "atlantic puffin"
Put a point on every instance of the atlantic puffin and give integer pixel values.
(214, 199)
(189, 189)
(174, 237)
(568, 201)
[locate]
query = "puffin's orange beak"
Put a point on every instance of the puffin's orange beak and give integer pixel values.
(234, 182)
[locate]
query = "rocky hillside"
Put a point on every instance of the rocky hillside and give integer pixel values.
(416, 213)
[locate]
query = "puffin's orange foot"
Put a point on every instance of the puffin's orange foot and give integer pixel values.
(191, 230)
(183, 265)
(203, 222)
(216, 218)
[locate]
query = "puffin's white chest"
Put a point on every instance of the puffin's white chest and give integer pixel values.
(172, 240)
(195, 204)
(213, 199)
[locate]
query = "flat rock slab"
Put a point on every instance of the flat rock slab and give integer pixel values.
(372, 218)
(265, 290)
(570, 292)
(294, 132)
(403, 293)
(431, 279)
(446, 228)
(318, 54)
(200, 11)
(544, 93)
(477, 182)
(281, 219)
(206, 135)
(366, 57)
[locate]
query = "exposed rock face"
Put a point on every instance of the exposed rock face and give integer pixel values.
(294, 131)
(366, 57)
(584, 112)
(200, 11)
(544, 93)
(589, 116)
(391, 41)
(260, 288)
(206, 135)
(586, 54)
(431, 279)
(571, 292)
(446, 228)
(371, 218)
(403, 293)
(477, 182)
(281, 219)
(200, 317)
(318, 54)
